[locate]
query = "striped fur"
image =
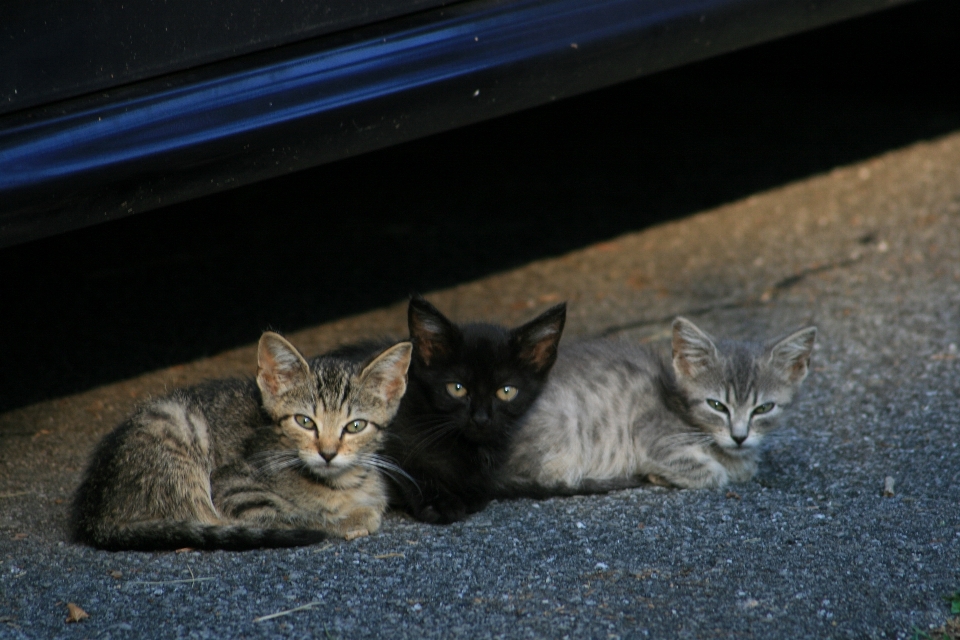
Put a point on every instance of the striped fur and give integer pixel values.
(241, 464)
(615, 414)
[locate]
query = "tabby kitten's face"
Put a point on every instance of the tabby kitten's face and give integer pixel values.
(735, 391)
(482, 377)
(331, 415)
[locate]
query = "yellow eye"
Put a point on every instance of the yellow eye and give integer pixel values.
(716, 405)
(507, 393)
(767, 407)
(456, 389)
(303, 421)
(355, 426)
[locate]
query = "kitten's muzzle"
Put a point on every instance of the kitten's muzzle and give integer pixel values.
(481, 434)
(481, 418)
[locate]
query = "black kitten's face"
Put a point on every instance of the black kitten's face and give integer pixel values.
(482, 377)
(481, 384)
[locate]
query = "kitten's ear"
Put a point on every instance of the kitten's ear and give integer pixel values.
(280, 366)
(387, 373)
(430, 331)
(790, 357)
(536, 342)
(693, 350)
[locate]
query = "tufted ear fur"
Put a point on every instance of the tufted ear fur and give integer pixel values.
(693, 350)
(280, 367)
(536, 341)
(790, 356)
(386, 375)
(432, 334)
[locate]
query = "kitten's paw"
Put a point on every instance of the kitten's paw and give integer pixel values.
(477, 506)
(356, 533)
(696, 471)
(441, 512)
(653, 478)
(365, 520)
(427, 514)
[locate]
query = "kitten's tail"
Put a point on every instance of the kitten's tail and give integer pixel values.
(519, 489)
(167, 535)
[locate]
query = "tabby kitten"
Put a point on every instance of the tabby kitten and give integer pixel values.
(469, 386)
(285, 460)
(614, 414)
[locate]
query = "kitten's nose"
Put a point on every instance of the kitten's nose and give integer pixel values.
(328, 455)
(481, 418)
(739, 439)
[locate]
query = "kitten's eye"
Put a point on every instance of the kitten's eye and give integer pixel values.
(303, 421)
(355, 426)
(507, 393)
(766, 407)
(716, 405)
(456, 389)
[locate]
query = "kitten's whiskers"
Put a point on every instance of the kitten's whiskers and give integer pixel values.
(387, 466)
(268, 463)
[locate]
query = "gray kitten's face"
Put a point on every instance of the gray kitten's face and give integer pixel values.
(736, 391)
(332, 415)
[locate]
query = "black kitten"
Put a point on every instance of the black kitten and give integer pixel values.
(468, 387)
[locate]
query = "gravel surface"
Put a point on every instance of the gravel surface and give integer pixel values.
(811, 548)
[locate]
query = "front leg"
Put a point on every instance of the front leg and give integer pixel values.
(444, 508)
(426, 501)
(475, 505)
(689, 469)
(352, 513)
(359, 523)
(245, 501)
(434, 504)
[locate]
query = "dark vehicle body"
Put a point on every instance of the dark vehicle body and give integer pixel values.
(110, 108)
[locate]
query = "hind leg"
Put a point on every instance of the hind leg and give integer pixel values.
(153, 468)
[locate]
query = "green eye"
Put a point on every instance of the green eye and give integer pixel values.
(303, 421)
(716, 405)
(456, 389)
(507, 393)
(355, 426)
(767, 407)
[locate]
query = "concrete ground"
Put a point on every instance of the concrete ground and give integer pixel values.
(799, 202)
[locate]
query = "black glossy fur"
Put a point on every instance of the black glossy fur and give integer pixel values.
(451, 447)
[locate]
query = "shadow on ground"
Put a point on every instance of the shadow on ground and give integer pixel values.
(105, 303)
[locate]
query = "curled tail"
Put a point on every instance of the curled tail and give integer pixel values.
(520, 489)
(167, 535)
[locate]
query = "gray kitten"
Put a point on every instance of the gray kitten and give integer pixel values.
(614, 413)
(285, 460)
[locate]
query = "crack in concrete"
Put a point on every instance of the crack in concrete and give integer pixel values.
(742, 302)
